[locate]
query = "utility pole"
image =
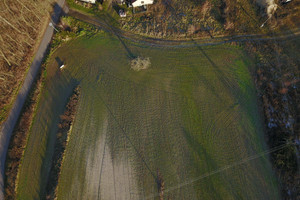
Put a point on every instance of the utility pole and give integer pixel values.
(265, 22)
(51, 24)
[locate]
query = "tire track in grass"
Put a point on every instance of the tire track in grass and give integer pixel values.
(140, 99)
(120, 98)
(93, 158)
(73, 148)
(103, 154)
(127, 137)
(213, 128)
(240, 150)
(213, 172)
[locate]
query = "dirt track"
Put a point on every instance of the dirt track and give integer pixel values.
(156, 42)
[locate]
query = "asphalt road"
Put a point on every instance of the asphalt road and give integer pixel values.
(8, 126)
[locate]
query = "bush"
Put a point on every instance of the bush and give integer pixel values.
(140, 63)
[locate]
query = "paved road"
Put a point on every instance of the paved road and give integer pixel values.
(8, 126)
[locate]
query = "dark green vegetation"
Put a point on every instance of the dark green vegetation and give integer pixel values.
(278, 88)
(71, 28)
(196, 18)
(19, 137)
(64, 126)
(191, 113)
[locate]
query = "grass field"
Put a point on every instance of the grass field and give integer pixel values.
(193, 112)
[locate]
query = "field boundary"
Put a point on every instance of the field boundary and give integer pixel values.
(157, 42)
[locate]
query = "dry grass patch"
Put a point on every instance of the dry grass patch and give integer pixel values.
(21, 25)
(140, 63)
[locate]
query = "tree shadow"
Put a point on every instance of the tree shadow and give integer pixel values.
(129, 52)
(201, 153)
(59, 61)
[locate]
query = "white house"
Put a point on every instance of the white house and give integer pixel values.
(137, 3)
(89, 1)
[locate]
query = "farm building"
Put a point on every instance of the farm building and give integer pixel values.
(137, 3)
(89, 1)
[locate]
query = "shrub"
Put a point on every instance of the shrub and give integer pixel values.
(140, 63)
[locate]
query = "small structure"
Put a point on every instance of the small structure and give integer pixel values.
(89, 1)
(62, 66)
(285, 1)
(122, 13)
(137, 3)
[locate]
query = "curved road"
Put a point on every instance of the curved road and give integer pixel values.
(8, 126)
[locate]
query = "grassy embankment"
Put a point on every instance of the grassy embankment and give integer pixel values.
(21, 131)
(192, 112)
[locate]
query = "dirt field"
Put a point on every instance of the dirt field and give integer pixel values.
(192, 113)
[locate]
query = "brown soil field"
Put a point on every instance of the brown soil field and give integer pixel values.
(22, 24)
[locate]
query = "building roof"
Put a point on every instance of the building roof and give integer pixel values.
(89, 1)
(136, 3)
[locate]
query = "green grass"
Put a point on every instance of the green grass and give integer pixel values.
(192, 112)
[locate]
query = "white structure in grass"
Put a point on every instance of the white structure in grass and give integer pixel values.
(137, 3)
(89, 1)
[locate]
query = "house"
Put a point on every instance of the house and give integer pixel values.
(89, 1)
(137, 3)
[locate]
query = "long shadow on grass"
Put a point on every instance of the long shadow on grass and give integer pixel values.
(243, 99)
(129, 52)
(221, 76)
(57, 99)
(129, 140)
(232, 89)
(201, 152)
